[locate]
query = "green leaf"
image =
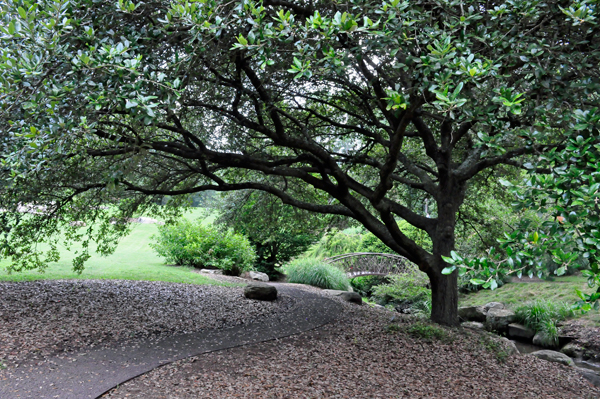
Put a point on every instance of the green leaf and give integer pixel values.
(448, 270)
(476, 281)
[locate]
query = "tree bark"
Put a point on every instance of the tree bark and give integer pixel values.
(444, 298)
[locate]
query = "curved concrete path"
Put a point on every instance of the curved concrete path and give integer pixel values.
(91, 374)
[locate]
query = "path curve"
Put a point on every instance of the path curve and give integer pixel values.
(92, 373)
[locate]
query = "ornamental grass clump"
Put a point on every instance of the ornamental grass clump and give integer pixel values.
(316, 273)
(542, 316)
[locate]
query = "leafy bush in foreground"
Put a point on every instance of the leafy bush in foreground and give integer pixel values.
(316, 273)
(200, 246)
(542, 316)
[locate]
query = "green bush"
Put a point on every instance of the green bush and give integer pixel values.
(542, 316)
(313, 272)
(406, 290)
(364, 285)
(203, 246)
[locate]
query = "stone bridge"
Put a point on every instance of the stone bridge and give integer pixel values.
(372, 264)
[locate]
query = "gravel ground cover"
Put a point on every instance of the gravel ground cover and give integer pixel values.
(44, 318)
(360, 356)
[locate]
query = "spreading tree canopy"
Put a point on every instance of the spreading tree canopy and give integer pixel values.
(359, 103)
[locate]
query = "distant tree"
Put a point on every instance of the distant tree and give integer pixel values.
(278, 232)
(362, 101)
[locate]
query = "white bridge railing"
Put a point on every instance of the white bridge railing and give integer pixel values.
(372, 264)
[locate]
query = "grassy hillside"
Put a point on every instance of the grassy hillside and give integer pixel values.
(133, 260)
(515, 294)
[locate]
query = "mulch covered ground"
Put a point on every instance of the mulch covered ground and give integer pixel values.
(361, 356)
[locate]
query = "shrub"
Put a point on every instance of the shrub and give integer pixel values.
(364, 285)
(542, 316)
(313, 272)
(200, 246)
(405, 290)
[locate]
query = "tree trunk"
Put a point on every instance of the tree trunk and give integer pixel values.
(444, 298)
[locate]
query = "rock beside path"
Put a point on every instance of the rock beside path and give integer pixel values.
(259, 276)
(261, 292)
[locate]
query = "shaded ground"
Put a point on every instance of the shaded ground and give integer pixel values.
(46, 318)
(360, 356)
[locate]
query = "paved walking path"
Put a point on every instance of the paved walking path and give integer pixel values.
(90, 374)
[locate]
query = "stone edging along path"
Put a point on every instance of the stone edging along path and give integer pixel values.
(90, 374)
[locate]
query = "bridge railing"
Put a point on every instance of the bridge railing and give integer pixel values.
(372, 264)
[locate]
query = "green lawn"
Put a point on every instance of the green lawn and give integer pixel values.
(515, 294)
(133, 260)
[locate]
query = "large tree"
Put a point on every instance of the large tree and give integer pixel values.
(362, 101)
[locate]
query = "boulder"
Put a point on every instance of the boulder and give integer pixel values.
(352, 297)
(211, 271)
(572, 350)
(553, 356)
(471, 313)
(511, 348)
(259, 276)
(519, 331)
(493, 305)
(262, 292)
(473, 325)
(498, 319)
(541, 339)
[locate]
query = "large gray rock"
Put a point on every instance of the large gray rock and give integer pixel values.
(519, 331)
(473, 325)
(553, 356)
(259, 276)
(511, 348)
(493, 305)
(211, 271)
(498, 319)
(262, 292)
(572, 350)
(471, 313)
(541, 339)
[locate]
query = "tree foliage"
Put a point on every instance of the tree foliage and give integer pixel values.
(366, 102)
(277, 231)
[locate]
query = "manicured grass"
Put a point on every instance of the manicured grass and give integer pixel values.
(133, 260)
(562, 289)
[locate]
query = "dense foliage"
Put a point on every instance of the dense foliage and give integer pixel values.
(404, 291)
(278, 232)
(204, 246)
(316, 273)
(542, 317)
(337, 242)
(354, 108)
